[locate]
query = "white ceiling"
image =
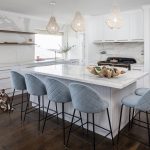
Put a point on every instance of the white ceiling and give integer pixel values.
(41, 8)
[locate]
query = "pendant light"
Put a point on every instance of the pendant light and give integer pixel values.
(115, 20)
(52, 26)
(78, 24)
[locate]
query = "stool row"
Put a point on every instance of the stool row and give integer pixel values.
(84, 100)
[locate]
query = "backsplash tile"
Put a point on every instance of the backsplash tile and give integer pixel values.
(130, 50)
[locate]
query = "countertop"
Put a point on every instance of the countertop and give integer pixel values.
(33, 63)
(81, 74)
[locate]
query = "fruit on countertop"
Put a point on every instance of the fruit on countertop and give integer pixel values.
(104, 71)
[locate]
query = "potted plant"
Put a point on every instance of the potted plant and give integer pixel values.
(65, 49)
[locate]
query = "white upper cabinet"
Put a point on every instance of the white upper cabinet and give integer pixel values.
(132, 29)
(109, 34)
(124, 32)
(137, 25)
(97, 28)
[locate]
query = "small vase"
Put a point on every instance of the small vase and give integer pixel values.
(65, 56)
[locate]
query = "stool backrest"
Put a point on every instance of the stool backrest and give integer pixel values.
(57, 91)
(17, 81)
(85, 99)
(34, 85)
(144, 102)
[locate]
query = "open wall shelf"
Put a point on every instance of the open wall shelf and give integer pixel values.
(17, 44)
(18, 32)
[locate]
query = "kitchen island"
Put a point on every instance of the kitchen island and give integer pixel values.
(112, 90)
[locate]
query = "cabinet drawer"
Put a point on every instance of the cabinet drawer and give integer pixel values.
(4, 74)
(137, 68)
(5, 84)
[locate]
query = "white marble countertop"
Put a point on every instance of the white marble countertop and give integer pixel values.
(81, 74)
(33, 63)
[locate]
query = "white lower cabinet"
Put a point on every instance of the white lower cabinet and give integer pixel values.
(139, 67)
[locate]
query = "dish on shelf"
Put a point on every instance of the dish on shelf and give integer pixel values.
(106, 71)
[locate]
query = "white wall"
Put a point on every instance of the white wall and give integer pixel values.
(20, 22)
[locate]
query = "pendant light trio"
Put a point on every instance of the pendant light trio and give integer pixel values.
(77, 23)
(114, 21)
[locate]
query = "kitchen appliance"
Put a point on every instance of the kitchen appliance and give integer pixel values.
(118, 62)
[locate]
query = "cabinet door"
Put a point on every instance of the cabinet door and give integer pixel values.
(98, 28)
(109, 34)
(137, 25)
(123, 32)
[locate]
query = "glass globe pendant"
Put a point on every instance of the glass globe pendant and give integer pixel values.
(52, 26)
(115, 20)
(78, 23)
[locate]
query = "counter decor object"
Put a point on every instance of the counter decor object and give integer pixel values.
(64, 50)
(106, 71)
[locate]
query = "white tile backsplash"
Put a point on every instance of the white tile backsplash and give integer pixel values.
(130, 50)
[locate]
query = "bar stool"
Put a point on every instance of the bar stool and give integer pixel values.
(141, 91)
(17, 83)
(57, 92)
(87, 100)
(35, 87)
(140, 103)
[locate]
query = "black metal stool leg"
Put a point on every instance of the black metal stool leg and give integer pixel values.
(129, 118)
(120, 123)
(56, 111)
(39, 113)
(70, 127)
(110, 126)
(148, 128)
(11, 103)
(81, 121)
(132, 117)
(63, 120)
(46, 116)
(43, 104)
(28, 100)
(93, 119)
(87, 131)
(139, 115)
(22, 104)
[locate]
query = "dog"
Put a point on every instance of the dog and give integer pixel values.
(4, 101)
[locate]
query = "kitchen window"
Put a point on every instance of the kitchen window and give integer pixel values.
(47, 45)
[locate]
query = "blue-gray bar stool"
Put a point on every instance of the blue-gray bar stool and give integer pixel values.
(17, 83)
(139, 104)
(141, 91)
(57, 92)
(37, 88)
(87, 100)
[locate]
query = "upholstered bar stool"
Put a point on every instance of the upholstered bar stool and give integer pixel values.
(57, 92)
(37, 88)
(141, 91)
(139, 103)
(86, 100)
(18, 83)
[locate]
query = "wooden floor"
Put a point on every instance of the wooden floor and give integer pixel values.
(17, 136)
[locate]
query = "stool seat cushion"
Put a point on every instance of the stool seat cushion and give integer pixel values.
(141, 91)
(57, 91)
(86, 99)
(131, 100)
(34, 85)
(17, 81)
